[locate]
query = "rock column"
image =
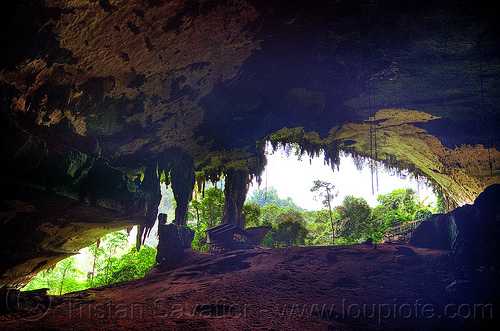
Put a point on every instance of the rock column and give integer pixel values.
(236, 188)
(183, 179)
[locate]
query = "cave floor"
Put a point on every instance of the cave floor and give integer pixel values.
(357, 287)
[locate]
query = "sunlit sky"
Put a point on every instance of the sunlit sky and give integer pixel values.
(294, 178)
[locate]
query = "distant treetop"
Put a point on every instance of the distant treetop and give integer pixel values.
(267, 196)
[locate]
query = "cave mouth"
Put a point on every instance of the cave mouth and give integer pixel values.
(291, 171)
(287, 172)
(292, 175)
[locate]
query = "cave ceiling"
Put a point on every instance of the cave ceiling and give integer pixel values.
(94, 92)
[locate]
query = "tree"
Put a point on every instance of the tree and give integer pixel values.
(133, 264)
(319, 227)
(104, 257)
(328, 196)
(441, 207)
(399, 207)
(207, 210)
(293, 214)
(289, 232)
(167, 203)
(269, 196)
(355, 215)
(251, 212)
(67, 269)
(269, 214)
(404, 200)
(113, 242)
(108, 266)
(97, 251)
(422, 214)
(64, 277)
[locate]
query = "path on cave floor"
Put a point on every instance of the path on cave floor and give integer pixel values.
(299, 288)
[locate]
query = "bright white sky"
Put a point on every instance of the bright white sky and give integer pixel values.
(294, 178)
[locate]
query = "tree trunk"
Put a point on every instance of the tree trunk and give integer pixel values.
(95, 258)
(107, 269)
(62, 282)
(331, 217)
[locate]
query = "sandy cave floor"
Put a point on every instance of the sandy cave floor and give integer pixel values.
(358, 287)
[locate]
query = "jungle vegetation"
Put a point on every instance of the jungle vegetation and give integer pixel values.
(114, 257)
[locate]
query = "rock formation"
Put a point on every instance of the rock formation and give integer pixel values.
(472, 234)
(103, 100)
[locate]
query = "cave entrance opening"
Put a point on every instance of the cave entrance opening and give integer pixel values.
(287, 183)
(292, 176)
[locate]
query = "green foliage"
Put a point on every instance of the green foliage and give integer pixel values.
(105, 259)
(404, 200)
(133, 264)
(269, 214)
(288, 232)
(252, 214)
(63, 278)
(354, 217)
(354, 221)
(441, 207)
(374, 228)
(319, 226)
(327, 195)
(207, 210)
(106, 263)
(265, 197)
(292, 214)
(394, 218)
(97, 261)
(422, 214)
(399, 207)
(199, 241)
(204, 213)
(167, 203)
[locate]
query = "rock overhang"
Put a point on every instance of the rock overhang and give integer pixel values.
(123, 85)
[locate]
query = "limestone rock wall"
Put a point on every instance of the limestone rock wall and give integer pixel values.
(95, 96)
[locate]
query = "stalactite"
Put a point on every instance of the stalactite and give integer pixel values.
(182, 176)
(150, 185)
(306, 143)
(235, 190)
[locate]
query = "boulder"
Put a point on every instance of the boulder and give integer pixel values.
(173, 240)
(477, 240)
(438, 232)
(471, 232)
(487, 203)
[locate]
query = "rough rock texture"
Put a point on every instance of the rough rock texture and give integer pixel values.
(100, 99)
(173, 241)
(477, 242)
(437, 231)
(235, 189)
(293, 288)
(472, 233)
